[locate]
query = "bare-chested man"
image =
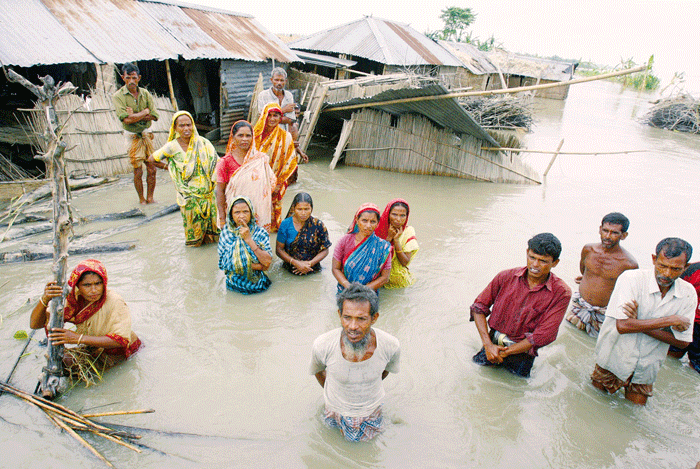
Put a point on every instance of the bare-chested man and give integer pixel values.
(601, 264)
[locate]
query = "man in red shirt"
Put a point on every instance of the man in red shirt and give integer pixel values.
(692, 276)
(524, 306)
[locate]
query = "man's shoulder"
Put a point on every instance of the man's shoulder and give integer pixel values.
(327, 339)
(558, 284)
(382, 335)
(120, 92)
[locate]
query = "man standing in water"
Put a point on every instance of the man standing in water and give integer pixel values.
(350, 363)
(524, 306)
(136, 109)
(648, 310)
(601, 264)
(277, 94)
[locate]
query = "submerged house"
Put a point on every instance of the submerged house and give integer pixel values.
(207, 61)
(379, 47)
(522, 70)
(479, 73)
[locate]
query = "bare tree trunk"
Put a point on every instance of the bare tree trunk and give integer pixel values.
(52, 382)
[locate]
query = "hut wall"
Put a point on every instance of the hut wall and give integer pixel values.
(412, 144)
(238, 79)
(94, 134)
(560, 92)
(460, 77)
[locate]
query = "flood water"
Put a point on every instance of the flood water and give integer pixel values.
(235, 368)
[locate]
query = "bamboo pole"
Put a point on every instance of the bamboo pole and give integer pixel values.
(546, 152)
(119, 412)
(554, 157)
(80, 439)
(173, 101)
(492, 92)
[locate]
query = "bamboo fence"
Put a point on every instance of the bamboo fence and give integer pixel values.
(412, 144)
(94, 135)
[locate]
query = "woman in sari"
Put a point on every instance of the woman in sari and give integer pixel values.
(101, 317)
(244, 171)
(278, 144)
(361, 256)
(244, 249)
(393, 227)
(191, 161)
(302, 240)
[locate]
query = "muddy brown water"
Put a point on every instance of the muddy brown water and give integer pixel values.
(235, 368)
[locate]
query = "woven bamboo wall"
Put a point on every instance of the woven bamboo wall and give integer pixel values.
(412, 144)
(96, 133)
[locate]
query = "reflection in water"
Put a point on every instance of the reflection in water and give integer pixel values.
(234, 366)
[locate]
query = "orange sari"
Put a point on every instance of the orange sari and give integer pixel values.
(279, 147)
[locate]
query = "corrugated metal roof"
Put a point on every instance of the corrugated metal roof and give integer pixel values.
(115, 30)
(380, 40)
(445, 113)
(244, 36)
(324, 60)
(473, 59)
(65, 31)
(28, 28)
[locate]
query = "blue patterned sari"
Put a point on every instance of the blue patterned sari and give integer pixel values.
(236, 258)
(364, 263)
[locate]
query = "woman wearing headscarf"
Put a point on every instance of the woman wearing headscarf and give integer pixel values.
(361, 256)
(302, 240)
(244, 249)
(278, 144)
(244, 171)
(101, 317)
(191, 161)
(393, 226)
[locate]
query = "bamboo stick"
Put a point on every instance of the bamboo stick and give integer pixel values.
(80, 439)
(491, 92)
(554, 157)
(119, 412)
(118, 441)
(173, 101)
(546, 152)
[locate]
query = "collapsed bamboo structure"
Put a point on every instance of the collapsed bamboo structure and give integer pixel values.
(412, 144)
(93, 134)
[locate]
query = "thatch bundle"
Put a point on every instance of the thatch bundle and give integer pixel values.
(499, 112)
(680, 113)
(10, 171)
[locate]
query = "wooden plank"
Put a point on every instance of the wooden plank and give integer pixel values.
(315, 111)
(342, 142)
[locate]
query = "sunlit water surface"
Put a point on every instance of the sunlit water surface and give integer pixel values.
(234, 368)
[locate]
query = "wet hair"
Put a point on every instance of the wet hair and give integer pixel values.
(129, 67)
(674, 247)
(370, 211)
(545, 244)
(278, 71)
(358, 293)
(616, 218)
(240, 124)
(302, 197)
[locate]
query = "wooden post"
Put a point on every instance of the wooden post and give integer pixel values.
(173, 101)
(554, 157)
(342, 141)
(53, 383)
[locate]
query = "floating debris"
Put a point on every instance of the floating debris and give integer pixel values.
(681, 113)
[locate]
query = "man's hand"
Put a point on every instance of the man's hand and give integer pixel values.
(289, 107)
(630, 309)
(129, 110)
(493, 353)
(682, 324)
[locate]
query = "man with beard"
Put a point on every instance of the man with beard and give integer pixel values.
(136, 109)
(524, 306)
(601, 264)
(350, 363)
(277, 94)
(648, 310)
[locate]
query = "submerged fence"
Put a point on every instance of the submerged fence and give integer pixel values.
(412, 144)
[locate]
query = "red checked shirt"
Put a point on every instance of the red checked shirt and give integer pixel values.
(521, 313)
